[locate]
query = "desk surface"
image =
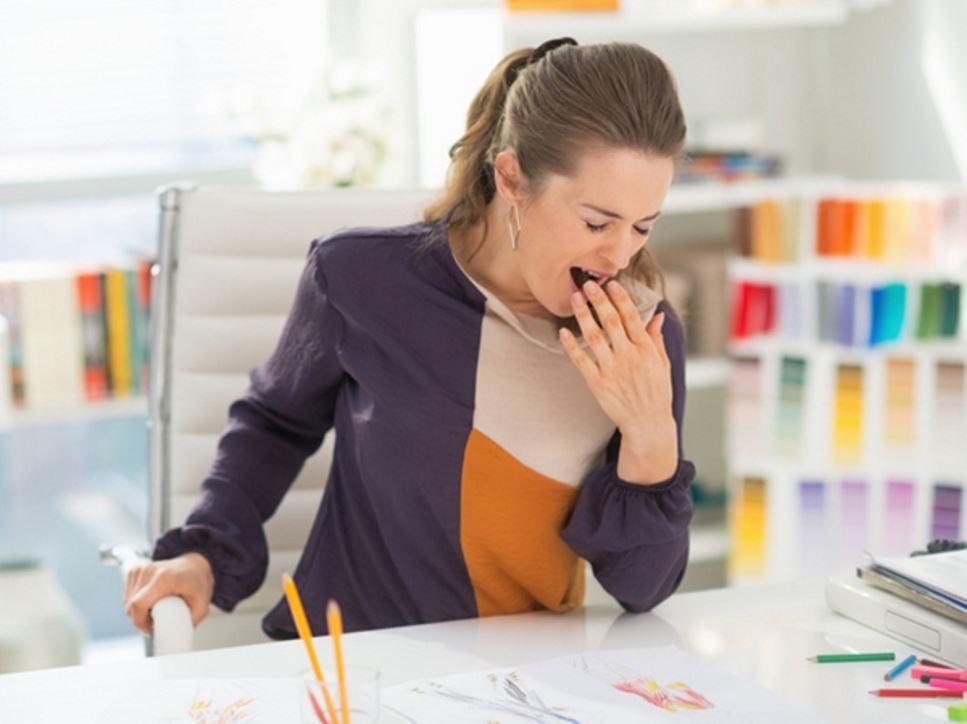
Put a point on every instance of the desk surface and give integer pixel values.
(762, 633)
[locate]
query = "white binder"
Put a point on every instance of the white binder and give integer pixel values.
(940, 637)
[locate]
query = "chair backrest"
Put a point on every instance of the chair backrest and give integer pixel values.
(229, 262)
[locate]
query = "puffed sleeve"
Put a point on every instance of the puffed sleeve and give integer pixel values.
(279, 422)
(636, 536)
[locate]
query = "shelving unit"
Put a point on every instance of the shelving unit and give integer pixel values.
(703, 372)
(637, 19)
(846, 446)
(124, 407)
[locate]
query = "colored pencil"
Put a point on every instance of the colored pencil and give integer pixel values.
(928, 679)
(305, 633)
(334, 619)
(917, 693)
(959, 674)
(842, 658)
(948, 684)
(937, 664)
(900, 668)
(316, 708)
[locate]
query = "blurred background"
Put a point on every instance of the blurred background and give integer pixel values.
(815, 238)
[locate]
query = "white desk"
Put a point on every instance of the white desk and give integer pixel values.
(763, 633)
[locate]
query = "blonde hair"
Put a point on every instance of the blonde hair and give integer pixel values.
(550, 106)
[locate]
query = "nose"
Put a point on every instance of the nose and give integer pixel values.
(620, 248)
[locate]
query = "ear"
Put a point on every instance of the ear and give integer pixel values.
(508, 178)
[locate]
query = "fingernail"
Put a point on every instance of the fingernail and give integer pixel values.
(591, 287)
(577, 298)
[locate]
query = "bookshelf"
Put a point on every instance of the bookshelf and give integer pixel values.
(124, 407)
(73, 340)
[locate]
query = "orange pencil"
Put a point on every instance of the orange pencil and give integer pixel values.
(305, 633)
(334, 619)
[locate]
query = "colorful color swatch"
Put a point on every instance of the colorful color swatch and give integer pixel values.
(945, 515)
(789, 422)
(748, 556)
(853, 520)
(899, 414)
(746, 433)
(887, 311)
(753, 309)
(939, 311)
(949, 414)
(790, 310)
(826, 311)
(898, 518)
(813, 527)
(847, 444)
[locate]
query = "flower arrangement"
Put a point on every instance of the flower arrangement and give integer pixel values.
(338, 132)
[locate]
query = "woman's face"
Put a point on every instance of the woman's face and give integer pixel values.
(590, 223)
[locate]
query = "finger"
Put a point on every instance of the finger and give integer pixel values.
(593, 334)
(138, 610)
(610, 320)
(198, 607)
(134, 580)
(158, 583)
(630, 316)
(129, 583)
(654, 331)
(586, 366)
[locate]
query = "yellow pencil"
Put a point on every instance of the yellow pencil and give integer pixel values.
(305, 633)
(334, 619)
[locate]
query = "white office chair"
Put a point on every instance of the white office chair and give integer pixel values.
(229, 262)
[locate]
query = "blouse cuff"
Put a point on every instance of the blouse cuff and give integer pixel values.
(613, 515)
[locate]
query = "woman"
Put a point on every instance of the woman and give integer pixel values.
(505, 380)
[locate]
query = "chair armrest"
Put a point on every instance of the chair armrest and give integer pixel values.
(172, 630)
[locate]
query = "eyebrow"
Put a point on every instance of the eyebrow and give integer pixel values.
(615, 215)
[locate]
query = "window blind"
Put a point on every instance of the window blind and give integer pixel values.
(108, 74)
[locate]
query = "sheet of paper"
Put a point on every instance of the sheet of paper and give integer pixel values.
(662, 684)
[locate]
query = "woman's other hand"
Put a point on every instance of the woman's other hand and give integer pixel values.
(188, 576)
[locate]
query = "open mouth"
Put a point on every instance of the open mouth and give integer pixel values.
(580, 275)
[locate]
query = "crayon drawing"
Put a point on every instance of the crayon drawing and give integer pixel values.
(670, 697)
(205, 711)
(205, 701)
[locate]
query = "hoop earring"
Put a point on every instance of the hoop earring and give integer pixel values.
(514, 233)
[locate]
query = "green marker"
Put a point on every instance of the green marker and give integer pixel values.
(838, 658)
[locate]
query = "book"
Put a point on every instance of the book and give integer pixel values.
(135, 330)
(94, 332)
(51, 338)
(119, 332)
(144, 310)
(10, 310)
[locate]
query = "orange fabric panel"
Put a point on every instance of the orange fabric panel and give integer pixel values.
(510, 522)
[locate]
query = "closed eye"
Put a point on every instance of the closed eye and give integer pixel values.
(596, 228)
